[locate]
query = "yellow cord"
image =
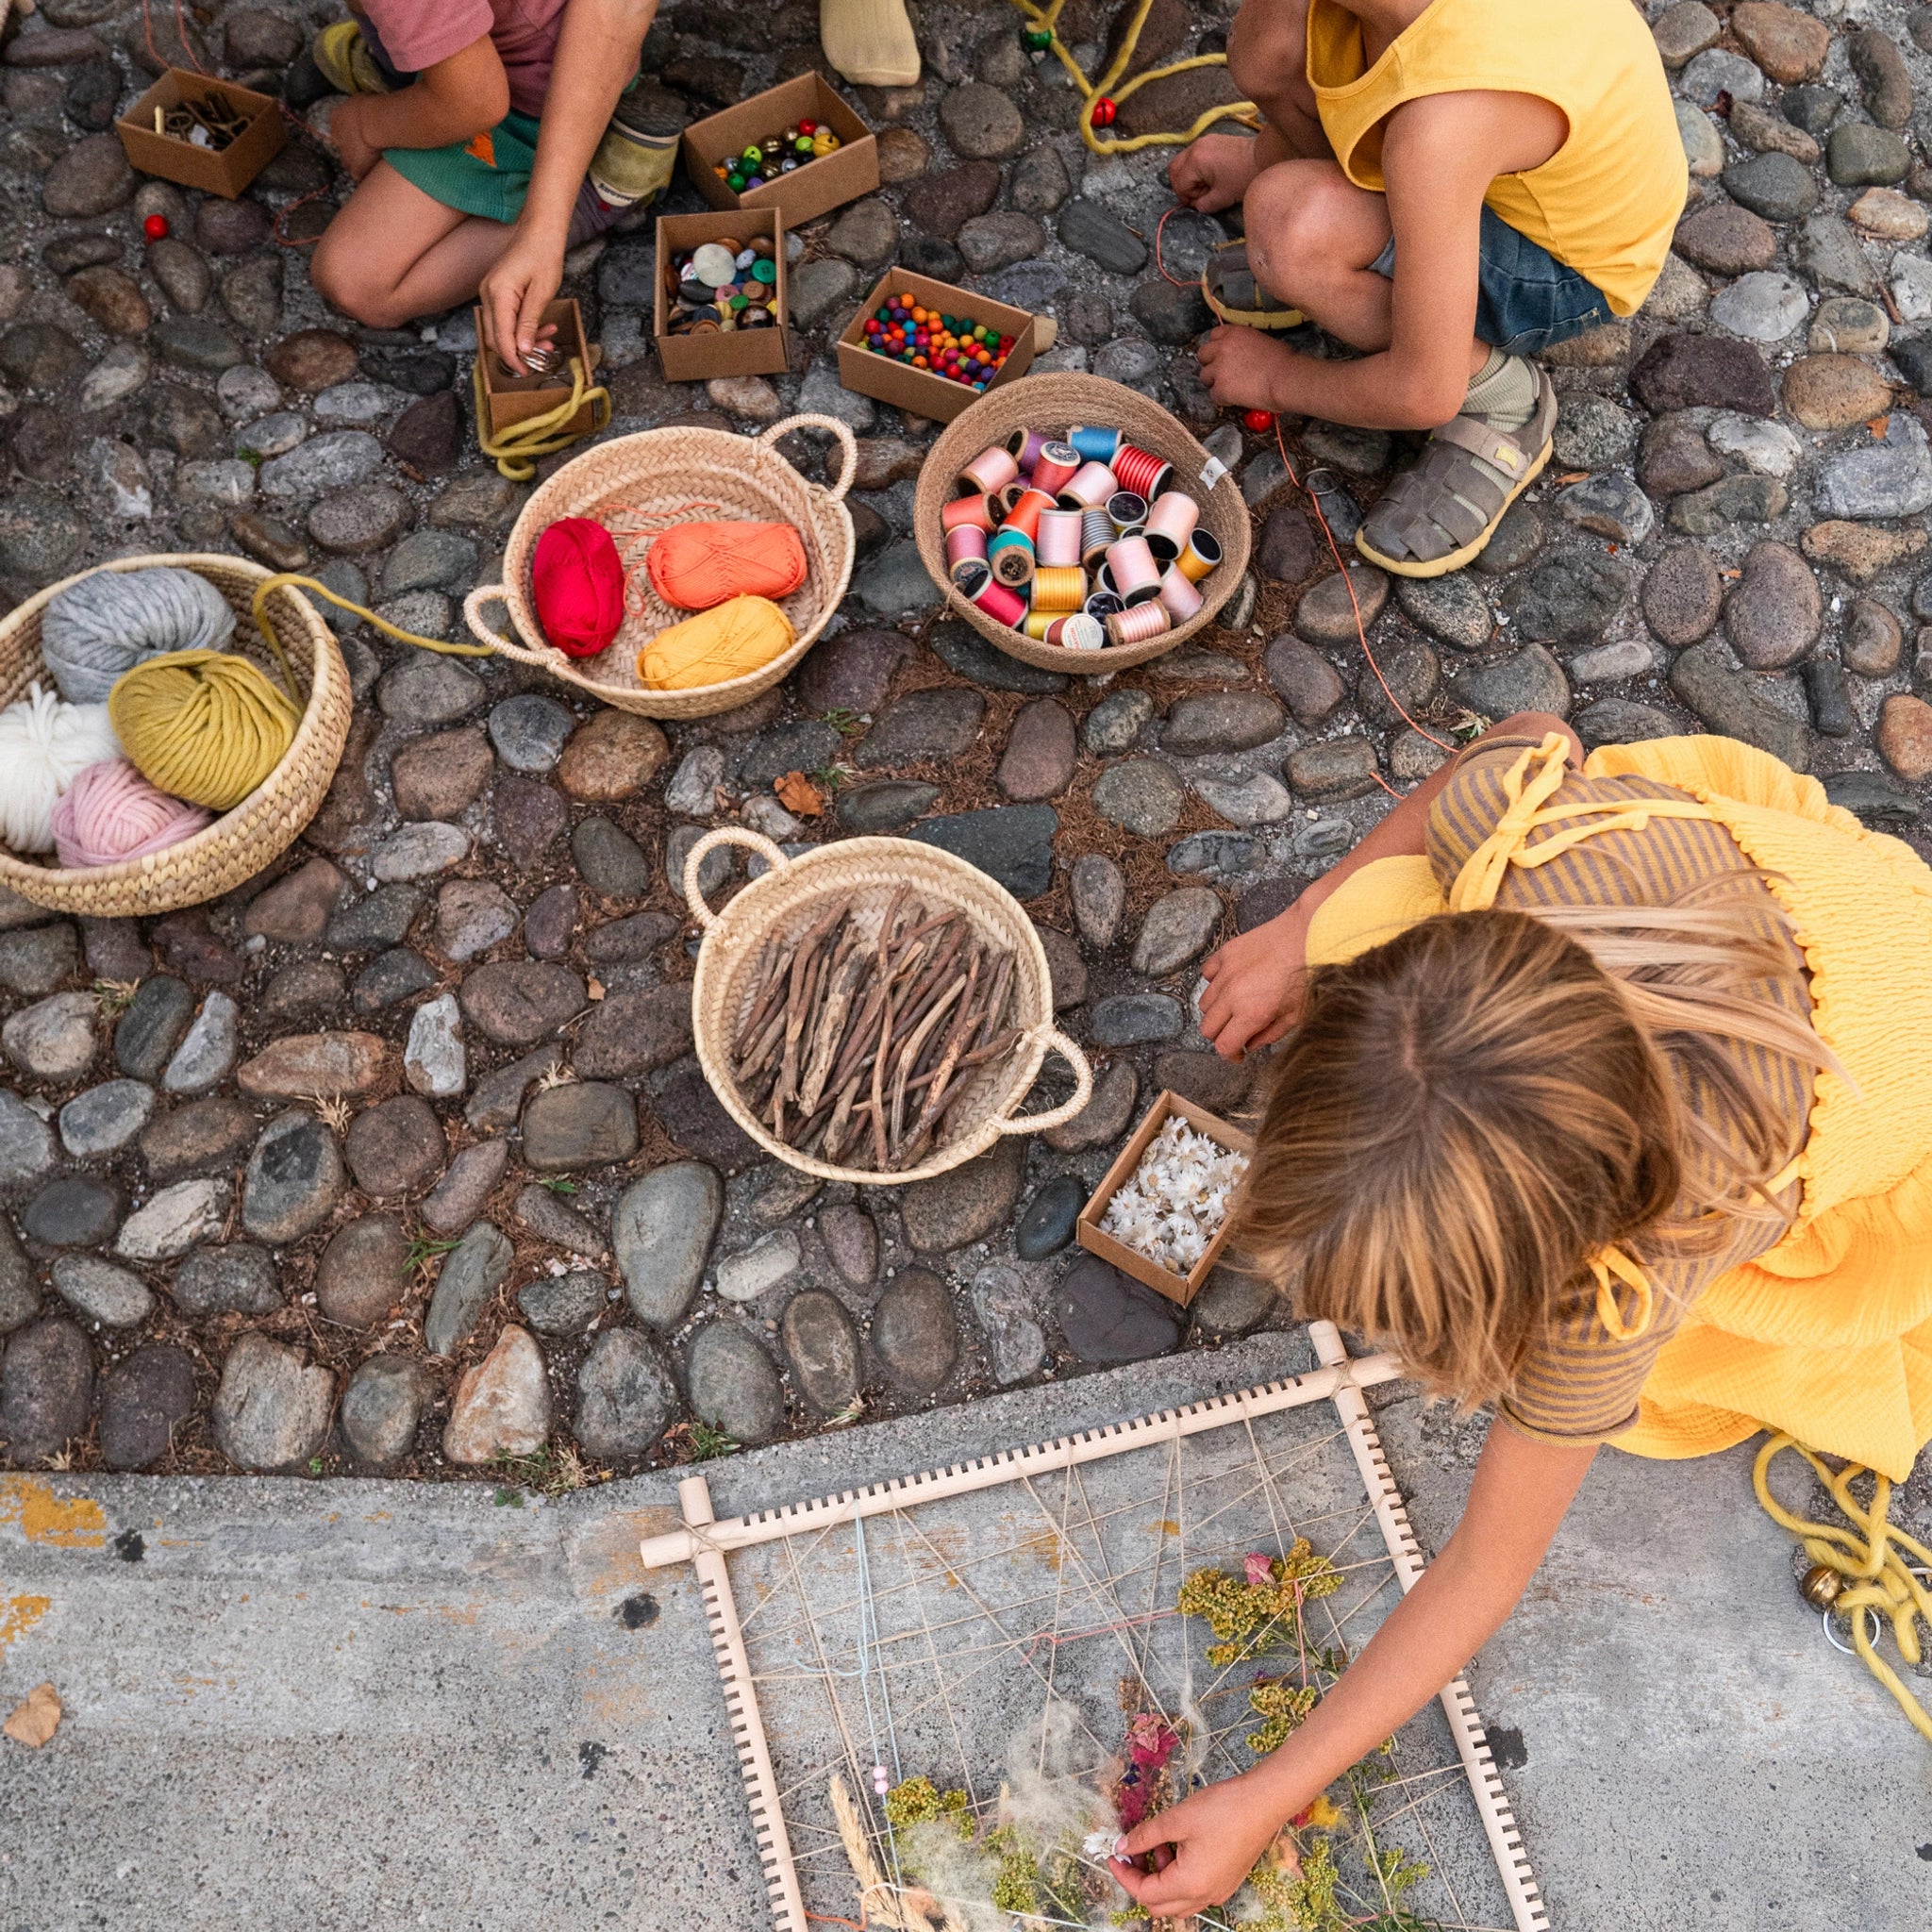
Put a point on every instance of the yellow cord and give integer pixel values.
(1046, 19)
(516, 448)
(1868, 1556)
(388, 629)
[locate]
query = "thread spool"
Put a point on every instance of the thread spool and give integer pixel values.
(1010, 495)
(1000, 603)
(1010, 553)
(1096, 533)
(1058, 539)
(1102, 605)
(1088, 488)
(1141, 471)
(1077, 633)
(1202, 554)
(1026, 511)
(1178, 594)
(1127, 511)
(1059, 590)
(967, 540)
(990, 471)
(1024, 446)
(1103, 577)
(968, 513)
(204, 726)
(111, 814)
(1137, 625)
(1136, 574)
(1170, 521)
(1038, 622)
(970, 576)
(1055, 467)
(1095, 444)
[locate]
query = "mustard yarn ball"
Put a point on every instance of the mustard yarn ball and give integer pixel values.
(204, 726)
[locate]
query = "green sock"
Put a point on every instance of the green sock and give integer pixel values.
(1503, 392)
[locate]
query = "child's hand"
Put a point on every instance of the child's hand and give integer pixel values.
(1218, 1835)
(1255, 985)
(1212, 173)
(516, 291)
(1246, 369)
(357, 153)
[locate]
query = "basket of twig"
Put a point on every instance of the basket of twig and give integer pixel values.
(874, 1011)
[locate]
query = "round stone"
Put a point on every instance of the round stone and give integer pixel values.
(46, 1389)
(273, 1407)
(144, 1398)
(1142, 796)
(235, 1279)
(915, 1333)
(852, 1241)
(102, 1293)
(1047, 1225)
(614, 756)
(529, 731)
(502, 1406)
(1834, 392)
(1774, 614)
(582, 1123)
(732, 1385)
(76, 1212)
(106, 1118)
(363, 1271)
(564, 1305)
(625, 1396)
(294, 1177)
(822, 1344)
(382, 1409)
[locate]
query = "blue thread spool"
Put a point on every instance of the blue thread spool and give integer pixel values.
(1095, 445)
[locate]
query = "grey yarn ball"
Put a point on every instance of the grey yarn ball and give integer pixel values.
(108, 622)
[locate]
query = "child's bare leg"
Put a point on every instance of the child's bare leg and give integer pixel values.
(1312, 236)
(396, 253)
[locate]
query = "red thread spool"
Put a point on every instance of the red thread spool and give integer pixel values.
(1137, 625)
(967, 513)
(1056, 467)
(1024, 513)
(1002, 605)
(1141, 471)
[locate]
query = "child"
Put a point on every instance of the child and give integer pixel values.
(1450, 188)
(1595, 1108)
(488, 137)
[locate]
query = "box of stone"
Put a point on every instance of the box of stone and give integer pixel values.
(919, 391)
(512, 399)
(203, 133)
(697, 352)
(850, 170)
(1182, 1164)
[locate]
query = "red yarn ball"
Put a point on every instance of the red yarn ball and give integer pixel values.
(1259, 420)
(576, 584)
(155, 227)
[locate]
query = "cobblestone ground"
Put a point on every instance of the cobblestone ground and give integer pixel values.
(515, 1215)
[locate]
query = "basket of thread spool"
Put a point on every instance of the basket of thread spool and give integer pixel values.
(1077, 526)
(158, 745)
(676, 572)
(875, 1010)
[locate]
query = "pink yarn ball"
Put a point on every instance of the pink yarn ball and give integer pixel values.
(111, 813)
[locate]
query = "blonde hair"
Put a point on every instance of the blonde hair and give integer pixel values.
(1469, 1112)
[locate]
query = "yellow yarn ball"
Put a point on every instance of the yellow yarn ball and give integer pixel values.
(729, 641)
(204, 726)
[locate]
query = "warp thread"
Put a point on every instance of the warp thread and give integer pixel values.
(206, 725)
(45, 743)
(111, 814)
(112, 620)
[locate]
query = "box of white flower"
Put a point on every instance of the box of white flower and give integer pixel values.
(1162, 1212)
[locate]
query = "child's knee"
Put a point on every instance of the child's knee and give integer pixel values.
(1297, 216)
(349, 285)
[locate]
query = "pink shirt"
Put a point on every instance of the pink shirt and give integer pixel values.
(418, 33)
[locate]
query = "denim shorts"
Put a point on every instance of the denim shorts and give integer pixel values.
(1526, 298)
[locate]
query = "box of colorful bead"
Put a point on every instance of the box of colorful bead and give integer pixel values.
(929, 348)
(757, 145)
(720, 306)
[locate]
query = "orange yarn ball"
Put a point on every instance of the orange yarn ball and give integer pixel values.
(695, 566)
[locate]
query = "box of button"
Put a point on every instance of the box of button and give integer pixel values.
(720, 305)
(753, 143)
(936, 354)
(546, 384)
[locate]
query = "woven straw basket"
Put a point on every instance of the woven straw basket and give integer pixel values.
(1055, 403)
(658, 478)
(266, 822)
(789, 895)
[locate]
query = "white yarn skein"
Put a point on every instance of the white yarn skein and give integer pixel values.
(110, 620)
(45, 744)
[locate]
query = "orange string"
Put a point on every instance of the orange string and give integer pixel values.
(858, 1925)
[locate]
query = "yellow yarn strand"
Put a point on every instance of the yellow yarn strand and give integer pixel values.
(1046, 19)
(517, 448)
(293, 579)
(208, 726)
(1871, 1557)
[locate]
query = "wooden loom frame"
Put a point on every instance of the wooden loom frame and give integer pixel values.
(704, 1542)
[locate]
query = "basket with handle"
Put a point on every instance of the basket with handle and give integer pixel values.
(649, 482)
(787, 897)
(1054, 403)
(220, 857)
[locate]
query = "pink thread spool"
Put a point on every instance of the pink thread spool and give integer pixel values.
(990, 471)
(1059, 463)
(1141, 471)
(1136, 574)
(1077, 633)
(1089, 487)
(968, 513)
(1202, 554)
(1058, 539)
(1178, 594)
(1003, 606)
(1024, 446)
(111, 814)
(1170, 521)
(965, 545)
(1137, 625)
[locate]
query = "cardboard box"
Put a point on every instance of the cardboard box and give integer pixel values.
(919, 391)
(1176, 1287)
(225, 171)
(851, 169)
(513, 399)
(745, 351)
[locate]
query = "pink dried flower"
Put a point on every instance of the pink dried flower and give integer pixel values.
(1260, 1567)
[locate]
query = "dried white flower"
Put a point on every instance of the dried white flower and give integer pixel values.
(1173, 1206)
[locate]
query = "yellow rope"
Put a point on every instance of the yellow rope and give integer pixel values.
(1870, 1558)
(388, 629)
(1047, 20)
(516, 448)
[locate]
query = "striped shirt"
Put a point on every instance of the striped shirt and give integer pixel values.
(1579, 1383)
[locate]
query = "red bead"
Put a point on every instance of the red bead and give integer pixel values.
(155, 227)
(1259, 420)
(1103, 112)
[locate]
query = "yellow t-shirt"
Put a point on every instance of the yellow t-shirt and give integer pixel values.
(1607, 202)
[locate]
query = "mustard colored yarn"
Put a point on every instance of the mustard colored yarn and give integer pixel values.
(728, 640)
(204, 726)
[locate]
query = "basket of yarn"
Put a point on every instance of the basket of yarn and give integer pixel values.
(156, 748)
(639, 489)
(1053, 403)
(869, 875)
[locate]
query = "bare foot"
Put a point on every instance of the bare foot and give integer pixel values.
(1246, 368)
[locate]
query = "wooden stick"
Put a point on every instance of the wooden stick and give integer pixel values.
(908, 1053)
(831, 1028)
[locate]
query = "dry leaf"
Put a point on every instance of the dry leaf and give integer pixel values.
(37, 1720)
(1878, 425)
(1572, 476)
(796, 793)
(594, 988)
